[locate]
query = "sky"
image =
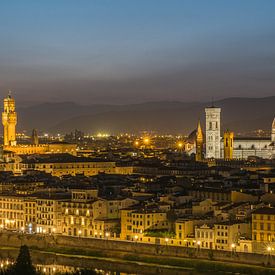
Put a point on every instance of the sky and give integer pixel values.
(131, 51)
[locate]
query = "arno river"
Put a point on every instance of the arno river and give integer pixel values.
(49, 263)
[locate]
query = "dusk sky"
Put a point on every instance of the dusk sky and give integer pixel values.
(131, 51)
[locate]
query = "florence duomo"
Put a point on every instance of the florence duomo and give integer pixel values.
(113, 159)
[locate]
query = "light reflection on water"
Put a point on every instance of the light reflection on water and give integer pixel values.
(57, 269)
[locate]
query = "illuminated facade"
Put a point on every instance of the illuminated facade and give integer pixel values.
(231, 147)
(134, 223)
(228, 139)
(9, 121)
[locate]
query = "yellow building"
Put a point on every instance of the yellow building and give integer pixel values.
(228, 140)
(205, 236)
(9, 121)
(77, 218)
(30, 214)
(65, 164)
(12, 212)
(134, 223)
(229, 234)
(17, 213)
(263, 225)
(49, 215)
(89, 216)
(184, 229)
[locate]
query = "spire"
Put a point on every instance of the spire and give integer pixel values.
(273, 131)
(9, 94)
(199, 132)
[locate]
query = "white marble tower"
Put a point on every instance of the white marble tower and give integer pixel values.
(213, 132)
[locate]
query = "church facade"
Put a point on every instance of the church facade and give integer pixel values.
(239, 147)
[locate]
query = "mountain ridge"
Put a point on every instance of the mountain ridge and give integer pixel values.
(238, 114)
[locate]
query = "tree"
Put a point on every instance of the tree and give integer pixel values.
(23, 264)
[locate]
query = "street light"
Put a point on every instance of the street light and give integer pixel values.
(79, 233)
(180, 145)
(107, 235)
(136, 238)
(198, 245)
(166, 241)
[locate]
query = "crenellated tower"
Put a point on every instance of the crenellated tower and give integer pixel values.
(199, 143)
(9, 121)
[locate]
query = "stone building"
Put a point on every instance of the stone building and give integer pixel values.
(9, 121)
(234, 147)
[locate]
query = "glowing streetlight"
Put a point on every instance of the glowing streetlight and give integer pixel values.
(269, 249)
(233, 245)
(180, 145)
(146, 140)
(107, 235)
(136, 237)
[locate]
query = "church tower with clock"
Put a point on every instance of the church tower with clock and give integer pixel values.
(213, 132)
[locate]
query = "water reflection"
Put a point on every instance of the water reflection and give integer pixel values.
(50, 263)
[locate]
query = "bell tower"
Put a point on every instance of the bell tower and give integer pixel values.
(213, 132)
(9, 121)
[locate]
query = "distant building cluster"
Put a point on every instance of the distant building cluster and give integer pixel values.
(146, 189)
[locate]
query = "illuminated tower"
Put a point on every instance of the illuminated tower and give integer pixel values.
(213, 132)
(228, 139)
(273, 131)
(9, 120)
(199, 143)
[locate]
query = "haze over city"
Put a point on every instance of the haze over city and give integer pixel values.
(122, 51)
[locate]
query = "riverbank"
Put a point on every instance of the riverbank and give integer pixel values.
(129, 252)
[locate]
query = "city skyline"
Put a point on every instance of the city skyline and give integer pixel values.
(130, 52)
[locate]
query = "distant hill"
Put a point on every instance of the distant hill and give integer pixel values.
(238, 114)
